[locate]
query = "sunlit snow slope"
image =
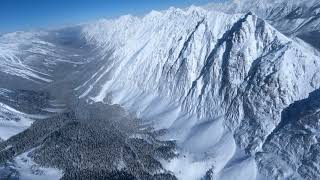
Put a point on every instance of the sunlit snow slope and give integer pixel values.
(294, 18)
(217, 82)
(222, 85)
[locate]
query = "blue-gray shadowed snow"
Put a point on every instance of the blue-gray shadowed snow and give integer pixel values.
(191, 93)
(292, 149)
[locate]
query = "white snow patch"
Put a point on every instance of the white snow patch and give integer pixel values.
(245, 169)
(29, 170)
(13, 122)
(11, 128)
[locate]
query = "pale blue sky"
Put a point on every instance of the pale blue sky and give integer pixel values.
(30, 14)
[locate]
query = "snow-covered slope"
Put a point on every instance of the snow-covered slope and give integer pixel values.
(13, 59)
(292, 150)
(20, 108)
(218, 82)
(12, 122)
(31, 60)
(23, 167)
(291, 17)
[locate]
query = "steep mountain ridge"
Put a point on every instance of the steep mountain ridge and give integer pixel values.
(215, 83)
(191, 73)
(293, 18)
(207, 65)
(292, 150)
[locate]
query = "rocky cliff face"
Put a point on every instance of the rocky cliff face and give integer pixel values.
(292, 150)
(221, 85)
(199, 68)
(293, 18)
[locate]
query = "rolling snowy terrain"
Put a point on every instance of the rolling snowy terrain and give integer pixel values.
(224, 91)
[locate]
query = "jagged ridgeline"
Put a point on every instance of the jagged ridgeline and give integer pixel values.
(214, 92)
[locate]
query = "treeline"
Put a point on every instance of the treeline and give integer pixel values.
(96, 141)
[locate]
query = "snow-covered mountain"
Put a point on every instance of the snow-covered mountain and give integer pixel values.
(221, 81)
(216, 81)
(294, 18)
(292, 150)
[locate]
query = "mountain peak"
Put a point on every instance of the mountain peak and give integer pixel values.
(222, 87)
(198, 67)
